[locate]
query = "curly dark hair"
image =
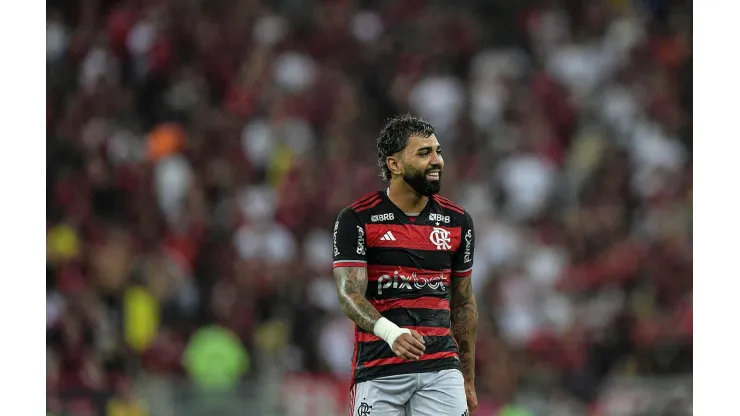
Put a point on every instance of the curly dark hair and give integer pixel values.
(395, 136)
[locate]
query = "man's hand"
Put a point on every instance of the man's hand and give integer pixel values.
(409, 346)
(470, 396)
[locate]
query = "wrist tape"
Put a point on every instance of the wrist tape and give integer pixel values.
(388, 331)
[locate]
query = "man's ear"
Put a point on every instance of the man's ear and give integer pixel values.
(394, 164)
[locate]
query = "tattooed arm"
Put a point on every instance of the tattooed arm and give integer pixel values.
(350, 273)
(464, 311)
(464, 316)
(351, 284)
(350, 269)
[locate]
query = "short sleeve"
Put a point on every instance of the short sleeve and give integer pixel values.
(462, 262)
(350, 246)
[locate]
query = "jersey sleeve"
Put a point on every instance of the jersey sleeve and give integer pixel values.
(350, 246)
(462, 262)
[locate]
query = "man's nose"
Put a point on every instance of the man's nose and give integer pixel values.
(436, 159)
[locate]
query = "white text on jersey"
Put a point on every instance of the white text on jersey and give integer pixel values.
(382, 217)
(439, 218)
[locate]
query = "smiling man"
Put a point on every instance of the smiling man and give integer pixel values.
(402, 263)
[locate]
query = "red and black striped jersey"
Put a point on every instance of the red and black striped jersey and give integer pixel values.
(410, 262)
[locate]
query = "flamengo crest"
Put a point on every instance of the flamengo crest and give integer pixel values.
(440, 238)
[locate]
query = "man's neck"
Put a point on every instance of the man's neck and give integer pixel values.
(405, 198)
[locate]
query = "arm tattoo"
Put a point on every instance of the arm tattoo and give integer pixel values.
(464, 319)
(351, 284)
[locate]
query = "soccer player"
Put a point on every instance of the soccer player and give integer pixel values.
(402, 263)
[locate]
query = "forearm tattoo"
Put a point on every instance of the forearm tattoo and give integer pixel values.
(351, 284)
(464, 318)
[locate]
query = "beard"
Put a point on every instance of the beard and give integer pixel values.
(417, 180)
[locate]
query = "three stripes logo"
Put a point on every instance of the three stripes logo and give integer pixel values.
(388, 236)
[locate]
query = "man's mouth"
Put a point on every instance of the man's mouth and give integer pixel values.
(433, 175)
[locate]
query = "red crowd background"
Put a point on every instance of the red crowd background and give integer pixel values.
(198, 152)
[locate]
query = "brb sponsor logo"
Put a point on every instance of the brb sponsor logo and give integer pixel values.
(382, 217)
(440, 238)
(468, 246)
(439, 218)
(412, 282)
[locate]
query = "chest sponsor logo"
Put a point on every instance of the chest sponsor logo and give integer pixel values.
(403, 282)
(439, 218)
(382, 217)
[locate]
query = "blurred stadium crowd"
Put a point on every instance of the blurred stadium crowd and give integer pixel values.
(198, 153)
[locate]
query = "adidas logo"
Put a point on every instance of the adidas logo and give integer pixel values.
(388, 236)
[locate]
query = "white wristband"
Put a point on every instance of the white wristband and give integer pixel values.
(388, 331)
